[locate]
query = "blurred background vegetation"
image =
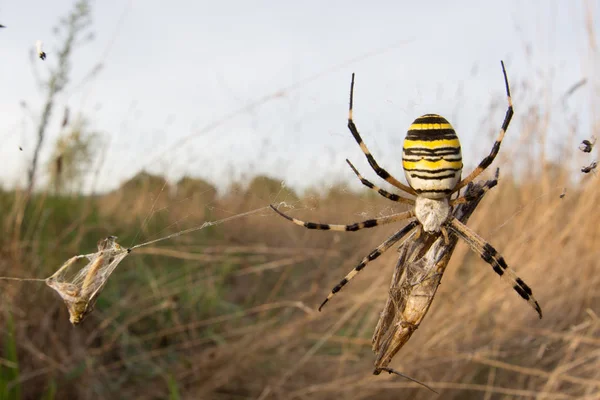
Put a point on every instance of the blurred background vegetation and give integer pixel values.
(229, 312)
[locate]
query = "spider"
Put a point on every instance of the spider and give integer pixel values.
(432, 163)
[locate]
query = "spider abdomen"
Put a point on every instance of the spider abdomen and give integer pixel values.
(431, 156)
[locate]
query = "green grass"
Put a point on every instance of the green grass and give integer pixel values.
(10, 388)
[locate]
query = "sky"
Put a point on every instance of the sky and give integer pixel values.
(227, 90)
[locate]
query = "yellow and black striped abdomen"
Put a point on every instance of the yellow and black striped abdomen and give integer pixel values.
(431, 156)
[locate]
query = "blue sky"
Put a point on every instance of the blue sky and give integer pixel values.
(169, 72)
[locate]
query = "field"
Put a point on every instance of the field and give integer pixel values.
(229, 312)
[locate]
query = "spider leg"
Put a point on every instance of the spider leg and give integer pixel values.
(379, 250)
(490, 158)
(492, 257)
(468, 197)
(380, 171)
(370, 223)
(384, 193)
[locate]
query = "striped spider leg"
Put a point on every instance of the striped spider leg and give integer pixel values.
(491, 256)
(477, 244)
(496, 148)
(383, 174)
(468, 197)
(370, 223)
(382, 192)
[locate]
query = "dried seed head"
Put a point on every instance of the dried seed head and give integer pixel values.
(40, 51)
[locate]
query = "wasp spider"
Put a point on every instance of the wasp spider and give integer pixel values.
(432, 163)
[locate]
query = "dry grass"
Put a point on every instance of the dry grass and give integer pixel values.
(230, 313)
